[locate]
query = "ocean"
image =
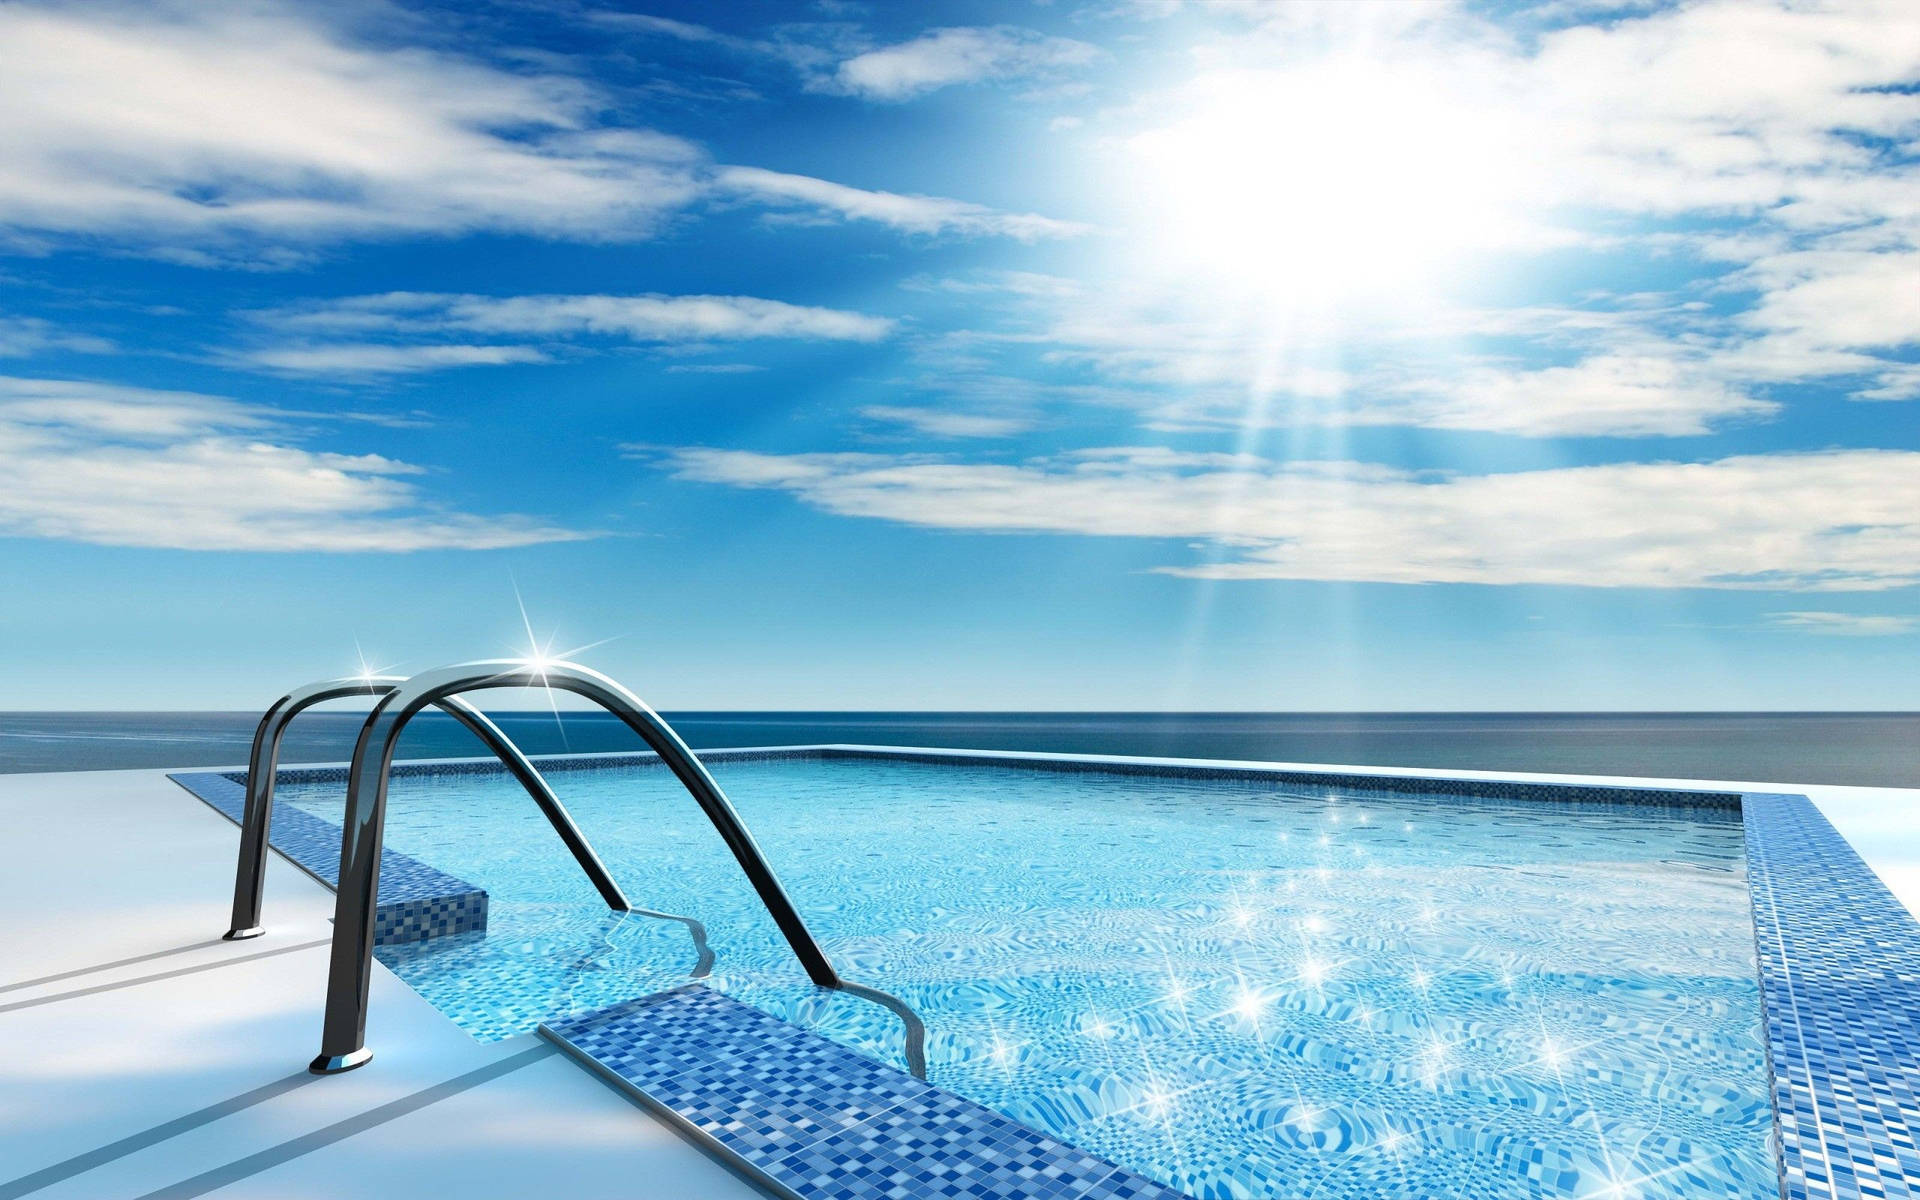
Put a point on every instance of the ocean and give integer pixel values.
(1871, 749)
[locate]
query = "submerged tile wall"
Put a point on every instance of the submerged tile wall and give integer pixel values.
(1349, 782)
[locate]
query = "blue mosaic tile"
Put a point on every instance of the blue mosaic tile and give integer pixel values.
(816, 1120)
(1840, 982)
(416, 901)
(1346, 783)
(548, 763)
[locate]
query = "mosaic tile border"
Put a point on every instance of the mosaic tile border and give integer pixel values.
(1345, 781)
(809, 1119)
(548, 763)
(1840, 984)
(1212, 769)
(416, 900)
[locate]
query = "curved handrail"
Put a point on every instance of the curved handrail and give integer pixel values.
(350, 968)
(249, 879)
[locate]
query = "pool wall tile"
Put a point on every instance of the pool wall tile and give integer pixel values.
(548, 763)
(416, 901)
(1840, 984)
(806, 1117)
(1347, 782)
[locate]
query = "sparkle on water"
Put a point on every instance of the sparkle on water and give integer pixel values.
(1517, 1000)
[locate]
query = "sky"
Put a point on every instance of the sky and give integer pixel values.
(1072, 355)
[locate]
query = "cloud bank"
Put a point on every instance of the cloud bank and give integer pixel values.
(945, 57)
(424, 331)
(124, 466)
(910, 214)
(1840, 624)
(206, 121)
(252, 133)
(1838, 521)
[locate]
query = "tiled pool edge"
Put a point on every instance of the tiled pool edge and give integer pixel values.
(1176, 768)
(416, 901)
(1839, 961)
(808, 1119)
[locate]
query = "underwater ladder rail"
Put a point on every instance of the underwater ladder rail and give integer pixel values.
(350, 970)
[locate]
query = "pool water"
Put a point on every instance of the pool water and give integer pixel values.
(1237, 988)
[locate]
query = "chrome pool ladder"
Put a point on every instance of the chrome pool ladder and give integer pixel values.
(263, 762)
(350, 968)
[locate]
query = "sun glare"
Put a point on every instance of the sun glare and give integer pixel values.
(1325, 183)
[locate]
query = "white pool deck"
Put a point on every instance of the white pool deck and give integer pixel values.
(140, 1056)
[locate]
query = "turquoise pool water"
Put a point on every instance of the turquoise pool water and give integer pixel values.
(1237, 988)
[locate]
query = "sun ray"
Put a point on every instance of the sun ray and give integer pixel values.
(539, 657)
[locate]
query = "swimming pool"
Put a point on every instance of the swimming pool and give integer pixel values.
(1236, 986)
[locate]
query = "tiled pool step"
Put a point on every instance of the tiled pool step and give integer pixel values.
(416, 901)
(808, 1118)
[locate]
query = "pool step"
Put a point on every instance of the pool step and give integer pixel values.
(808, 1118)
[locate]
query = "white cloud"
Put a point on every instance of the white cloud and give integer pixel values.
(649, 317)
(420, 316)
(112, 410)
(943, 57)
(910, 214)
(126, 466)
(1187, 359)
(1782, 128)
(1250, 368)
(1607, 395)
(1846, 520)
(1831, 312)
(219, 133)
(165, 123)
(658, 318)
(1897, 381)
(803, 55)
(23, 336)
(367, 358)
(683, 31)
(1016, 283)
(1839, 299)
(948, 424)
(1841, 624)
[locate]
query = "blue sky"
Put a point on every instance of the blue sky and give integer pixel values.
(968, 355)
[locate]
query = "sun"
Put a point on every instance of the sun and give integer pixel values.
(1345, 179)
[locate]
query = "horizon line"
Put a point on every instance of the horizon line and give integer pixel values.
(1059, 712)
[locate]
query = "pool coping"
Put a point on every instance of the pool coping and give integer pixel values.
(1837, 955)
